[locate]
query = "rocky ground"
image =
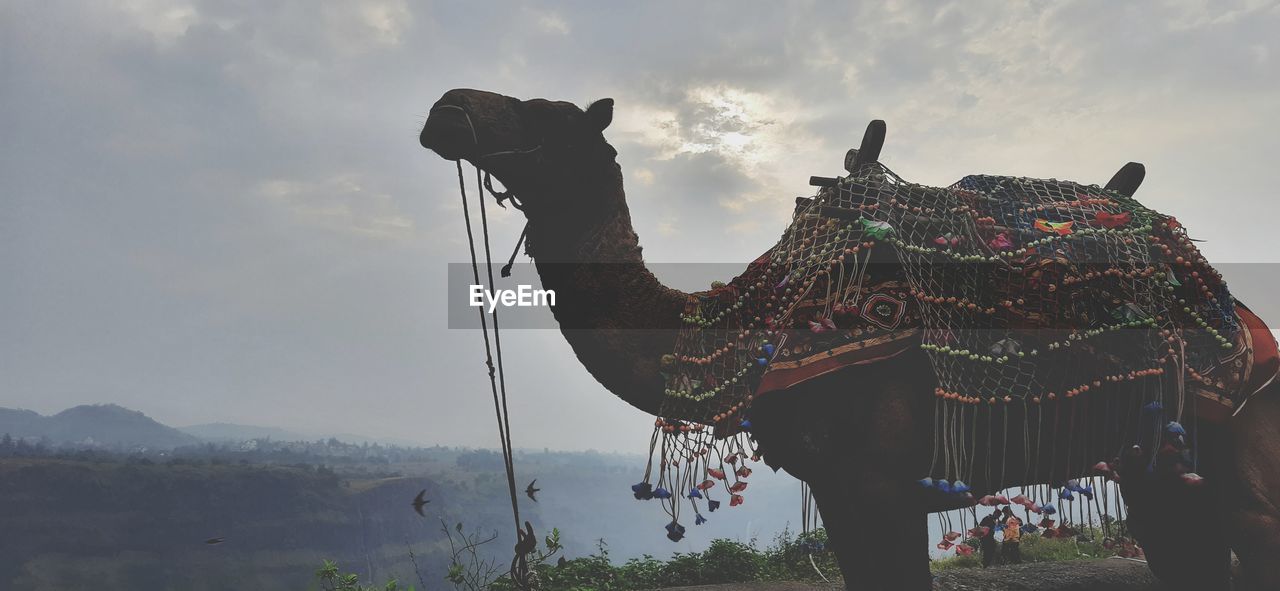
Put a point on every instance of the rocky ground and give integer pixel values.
(1074, 575)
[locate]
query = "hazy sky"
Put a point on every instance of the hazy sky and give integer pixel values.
(219, 211)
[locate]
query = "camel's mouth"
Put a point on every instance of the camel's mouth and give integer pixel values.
(449, 132)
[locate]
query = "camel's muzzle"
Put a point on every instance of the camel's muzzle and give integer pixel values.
(449, 132)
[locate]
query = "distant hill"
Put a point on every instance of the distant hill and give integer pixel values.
(232, 432)
(106, 425)
(223, 432)
(111, 425)
(21, 423)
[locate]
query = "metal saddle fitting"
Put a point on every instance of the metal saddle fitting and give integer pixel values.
(1125, 181)
(857, 158)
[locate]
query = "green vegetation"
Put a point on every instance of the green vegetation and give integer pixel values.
(331, 578)
(1035, 548)
(725, 561)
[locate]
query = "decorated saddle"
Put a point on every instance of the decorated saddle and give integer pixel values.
(1021, 291)
(996, 277)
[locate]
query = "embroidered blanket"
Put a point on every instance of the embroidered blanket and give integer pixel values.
(1018, 288)
(1026, 292)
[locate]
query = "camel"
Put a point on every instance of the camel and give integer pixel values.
(861, 436)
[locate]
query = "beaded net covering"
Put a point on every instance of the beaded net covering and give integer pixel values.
(1022, 291)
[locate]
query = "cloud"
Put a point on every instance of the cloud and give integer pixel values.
(550, 22)
(166, 21)
(343, 203)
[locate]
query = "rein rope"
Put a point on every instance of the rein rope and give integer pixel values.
(525, 540)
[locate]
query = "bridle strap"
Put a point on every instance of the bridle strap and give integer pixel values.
(506, 269)
(507, 195)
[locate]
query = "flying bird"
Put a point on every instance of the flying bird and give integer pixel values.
(214, 541)
(419, 501)
(530, 490)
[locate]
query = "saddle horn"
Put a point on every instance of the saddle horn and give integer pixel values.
(1127, 180)
(869, 151)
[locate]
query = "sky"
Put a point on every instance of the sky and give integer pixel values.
(220, 212)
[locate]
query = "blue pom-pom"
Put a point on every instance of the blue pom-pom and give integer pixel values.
(643, 491)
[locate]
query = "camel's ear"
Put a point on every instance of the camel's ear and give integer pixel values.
(600, 114)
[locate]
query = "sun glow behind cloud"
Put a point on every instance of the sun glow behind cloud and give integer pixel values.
(756, 135)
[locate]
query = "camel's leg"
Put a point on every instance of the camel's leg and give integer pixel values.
(876, 548)
(903, 556)
(866, 501)
(1181, 529)
(1253, 493)
(852, 547)
(902, 526)
(1183, 539)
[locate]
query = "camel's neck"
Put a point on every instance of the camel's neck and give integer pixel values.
(616, 315)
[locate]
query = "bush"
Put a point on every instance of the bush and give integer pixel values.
(789, 558)
(331, 578)
(580, 574)
(732, 562)
(638, 572)
(724, 561)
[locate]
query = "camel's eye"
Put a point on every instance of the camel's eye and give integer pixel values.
(545, 125)
(558, 130)
(557, 124)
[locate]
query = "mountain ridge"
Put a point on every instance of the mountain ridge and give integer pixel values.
(108, 424)
(112, 425)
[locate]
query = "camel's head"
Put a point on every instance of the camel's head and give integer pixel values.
(534, 147)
